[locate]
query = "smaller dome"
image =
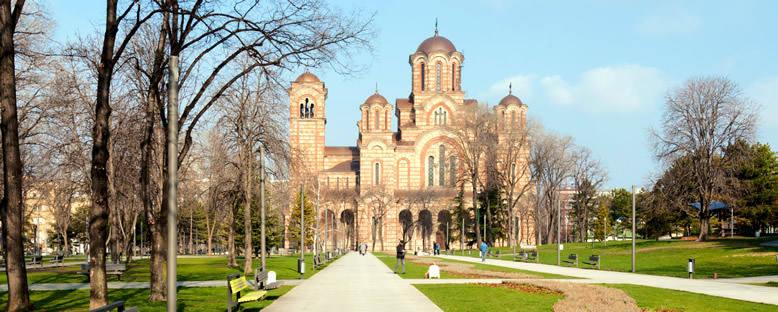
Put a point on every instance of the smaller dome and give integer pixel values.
(376, 99)
(510, 99)
(307, 77)
(436, 43)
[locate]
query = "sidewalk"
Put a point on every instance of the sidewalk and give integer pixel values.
(354, 283)
(724, 289)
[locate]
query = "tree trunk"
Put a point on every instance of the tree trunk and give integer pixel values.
(231, 243)
(381, 232)
(477, 222)
(247, 212)
(112, 205)
(191, 243)
(158, 287)
(12, 206)
(99, 212)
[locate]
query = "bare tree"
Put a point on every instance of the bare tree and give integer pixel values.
(474, 134)
(12, 206)
(589, 176)
(700, 120)
(551, 159)
(511, 170)
(379, 200)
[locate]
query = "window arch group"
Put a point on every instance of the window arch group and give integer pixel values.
(307, 109)
(443, 170)
(440, 116)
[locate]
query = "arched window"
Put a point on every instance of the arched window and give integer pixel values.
(376, 174)
(513, 172)
(337, 183)
(386, 120)
(302, 110)
(431, 171)
(444, 117)
(459, 77)
(442, 157)
(347, 181)
(452, 171)
(328, 182)
(311, 110)
(307, 109)
(437, 117)
(437, 75)
(376, 120)
(367, 122)
(453, 77)
(422, 69)
(513, 119)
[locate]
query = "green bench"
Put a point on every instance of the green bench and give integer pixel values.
(237, 283)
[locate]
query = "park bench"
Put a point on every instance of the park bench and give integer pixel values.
(110, 269)
(316, 261)
(265, 279)
(58, 259)
(118, 305)
(237, 283)
(36, 260)
(496, 254)
(595, 260)
(572, 259)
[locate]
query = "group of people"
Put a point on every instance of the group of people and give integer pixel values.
(362, 249)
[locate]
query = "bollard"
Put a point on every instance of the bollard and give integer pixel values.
(690, 267)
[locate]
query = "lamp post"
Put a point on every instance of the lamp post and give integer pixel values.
(558, 230)
(633, 228)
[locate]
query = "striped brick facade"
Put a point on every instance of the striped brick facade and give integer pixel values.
(396, 161)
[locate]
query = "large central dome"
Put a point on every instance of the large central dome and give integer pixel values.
(436, 43)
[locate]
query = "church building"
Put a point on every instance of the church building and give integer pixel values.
(393, 183)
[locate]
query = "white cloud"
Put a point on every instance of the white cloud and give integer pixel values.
(622, 88)
(765, 93)
(672, 20)
(521, 86)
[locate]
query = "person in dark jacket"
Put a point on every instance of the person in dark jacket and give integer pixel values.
(400, 256)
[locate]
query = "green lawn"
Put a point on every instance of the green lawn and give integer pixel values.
(413, 270)
(651, 298)
(189, 299)
(188, 269)
(740, 257)
(467, 297)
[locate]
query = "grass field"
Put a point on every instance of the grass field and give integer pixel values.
(189, 299)
(413, 270)
(449, 297)
(673, 300)
(740, 257)
(467, 297)
(189, 269)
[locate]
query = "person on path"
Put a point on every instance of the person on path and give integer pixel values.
(365, 249)
(400, 256)
(437, 249)
(361, 250)
(484, 249)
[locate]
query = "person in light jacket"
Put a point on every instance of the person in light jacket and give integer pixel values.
(484, 249)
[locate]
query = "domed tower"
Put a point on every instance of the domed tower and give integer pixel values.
(436, 66)
(376, 144)
(512, 111)
(307, 121)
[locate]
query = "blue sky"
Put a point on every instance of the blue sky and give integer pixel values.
(595, 70)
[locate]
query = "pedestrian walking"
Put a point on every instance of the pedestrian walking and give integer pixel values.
(365, 250)
(400, 256)
(360, 250)
(437, 249)
(484, 249)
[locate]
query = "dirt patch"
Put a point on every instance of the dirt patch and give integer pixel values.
(582, 297)
(466, 270)
(755, 254)
(533, 289)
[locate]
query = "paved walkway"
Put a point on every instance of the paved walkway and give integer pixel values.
(354, 283)
(134, 285)
(712, 287)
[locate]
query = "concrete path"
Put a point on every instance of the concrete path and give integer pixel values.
(354, 283)
(711, 287)
(754, 279)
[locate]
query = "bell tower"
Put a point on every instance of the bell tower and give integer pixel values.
(307, 122)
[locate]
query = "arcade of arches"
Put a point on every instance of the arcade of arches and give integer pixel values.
(394, 183)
